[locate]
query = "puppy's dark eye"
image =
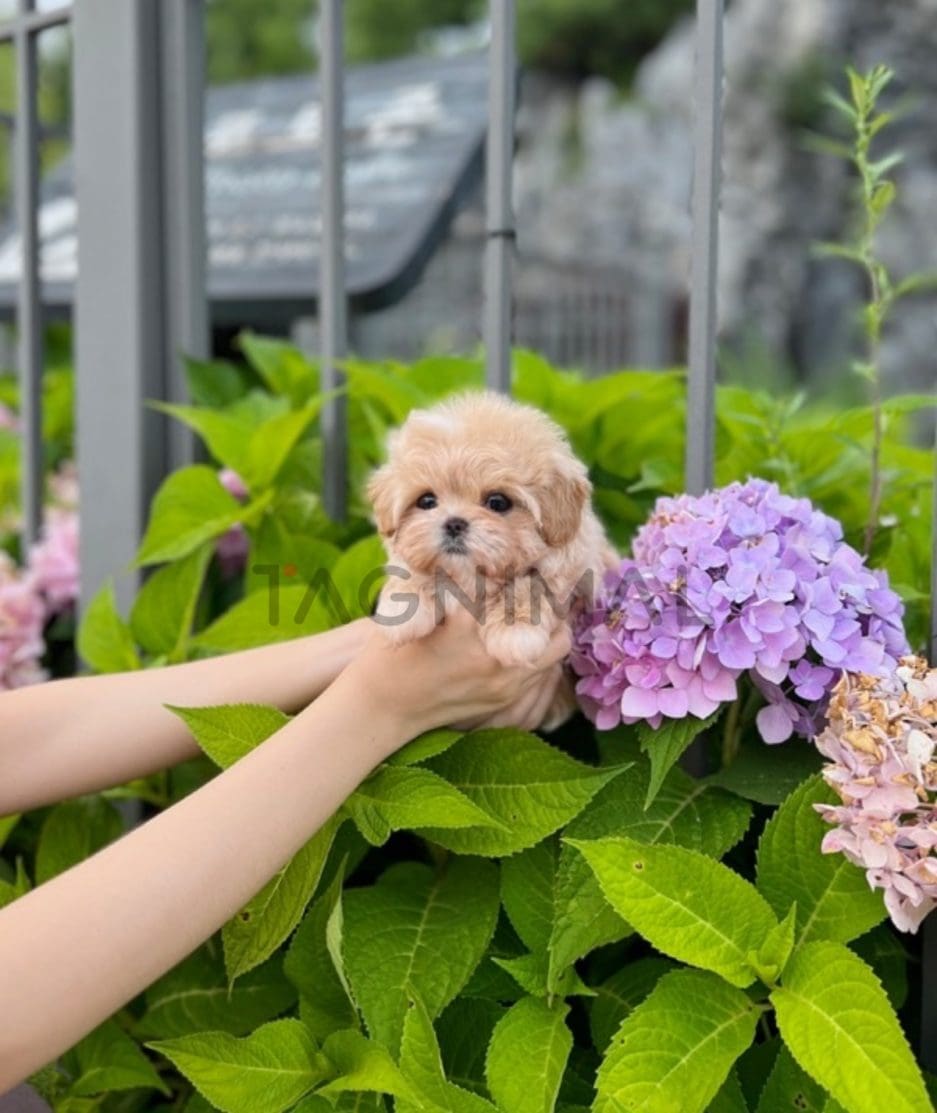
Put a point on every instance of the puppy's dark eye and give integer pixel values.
(498, 502)
(426, 501)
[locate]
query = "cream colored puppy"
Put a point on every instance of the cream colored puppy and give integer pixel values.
(482, 504)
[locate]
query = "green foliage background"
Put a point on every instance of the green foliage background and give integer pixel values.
(599, 932)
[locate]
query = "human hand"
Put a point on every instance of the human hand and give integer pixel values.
(449, 678)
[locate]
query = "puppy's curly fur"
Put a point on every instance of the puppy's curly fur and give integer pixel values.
(483, 503)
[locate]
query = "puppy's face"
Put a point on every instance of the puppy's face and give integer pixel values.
(479, 482)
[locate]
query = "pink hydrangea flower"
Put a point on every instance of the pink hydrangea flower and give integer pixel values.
(880, 740)
(22, 618)
(232, 547)
(740, 580)
(53, 560)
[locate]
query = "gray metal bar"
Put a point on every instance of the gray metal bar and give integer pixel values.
(32, 22)
(701, 381)
(118, 303)
(333, 302)
(499, 212)
(182, 85)
(29, 311)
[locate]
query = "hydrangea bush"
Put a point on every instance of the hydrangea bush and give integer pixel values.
(741, 580)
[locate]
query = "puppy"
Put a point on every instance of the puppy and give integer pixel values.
(482, 503)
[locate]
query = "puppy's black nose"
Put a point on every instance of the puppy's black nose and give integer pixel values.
(455, 527)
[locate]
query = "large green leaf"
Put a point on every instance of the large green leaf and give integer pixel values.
(272, 442)
(527, 1056)
(394, 798)
(684, 812)
(361, 1066)
(833, 898)
(104, 640)
(282, 366)
(666, 744)
(673, 1053)
(620, 994)
(464, 1031)
(293, 555)
(421, 1065)
(325, 1004)
(730, 1098)
(768, 774)
(266, 1072)
(416, 931)
(196, 997)
(163, 610)
(7, 823)
(18, 887)
(683, 903)
(109, 1060)
(228, 732)
(191, 507)
(213, 383)
(72, 832)
(274, 614)
(789, 1087)
(357, 577)
(267, 919)
(226, 435)
(528, 892)
(836, 1019)
(529, 788)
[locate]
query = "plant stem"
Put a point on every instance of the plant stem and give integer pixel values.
(731, 733)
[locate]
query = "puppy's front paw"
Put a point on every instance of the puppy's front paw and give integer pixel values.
(520, 644)
(404, 618)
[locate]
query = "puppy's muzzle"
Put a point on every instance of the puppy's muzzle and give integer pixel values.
(453, 535)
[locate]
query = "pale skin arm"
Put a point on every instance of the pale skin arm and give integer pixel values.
(82, 945)
(89, 733)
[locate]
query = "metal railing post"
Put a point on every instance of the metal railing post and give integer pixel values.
(333, 302)
(118, 294)
(701, 372)
(29, 309)
(499, 212)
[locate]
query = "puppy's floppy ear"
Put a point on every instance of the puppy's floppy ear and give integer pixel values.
(562, 500)
(382, 494)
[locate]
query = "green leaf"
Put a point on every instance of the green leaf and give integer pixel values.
(789, 1087)
(72, 832)
(833, 898)
(666, 744)
(357, 577)
(416, 932)
(190, 507)
(267, 919)
(684, 812)
(619, 995)
(835, 1018)
(361, 1066)
(272, 442)
(394, 798)
(769, 774)
(196, 997)
(528, 892)
(267, 1072)
(326, 1005)
(18, 887)
(213, 383)
(271, 615)
(676, 1049)
(464, 1031)
(104, 639)
(7, 823)
(527, 787)
(109, 1060)
(282, 366)
(730, 1098)
(230, 731)
(685, 904)
(888, 958)
(529, 1050)
(530, 971)
(292, 552)
(771, 957)
(162, 613)
(425, 746)
(421, 1065)
(226, 435)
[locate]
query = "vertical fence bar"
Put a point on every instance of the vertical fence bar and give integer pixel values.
(182, 85)
(333, 302)
(701, 383)
(118, 296)
(928, 1042)
(499, 213)
(29, 311)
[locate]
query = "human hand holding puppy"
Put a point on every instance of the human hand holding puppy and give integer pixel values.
(483, 506)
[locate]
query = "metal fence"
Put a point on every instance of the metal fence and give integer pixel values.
(141, 301)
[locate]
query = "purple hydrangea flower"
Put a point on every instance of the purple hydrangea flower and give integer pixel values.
(233, 545)
(880, 741)
(743, 579)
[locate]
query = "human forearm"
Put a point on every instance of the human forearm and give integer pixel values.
(82, 945)
(74, 736)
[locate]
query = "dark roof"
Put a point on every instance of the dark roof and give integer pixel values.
(414, 144)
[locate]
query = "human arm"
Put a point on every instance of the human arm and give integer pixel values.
(77, 948)
(87, 733)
